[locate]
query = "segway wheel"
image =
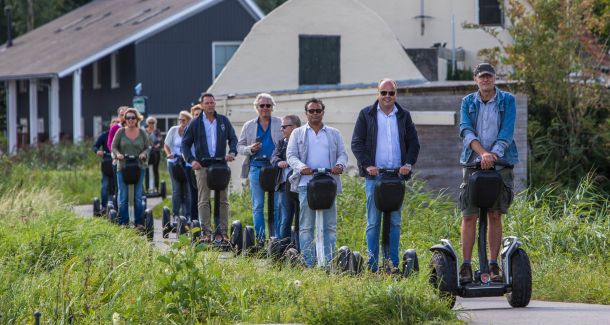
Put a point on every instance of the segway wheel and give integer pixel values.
(97, 208)
(410, 263)
(521, 271)
(163, 189)
(113, 216)
(249, 239)
(195, 231)
(443, 276)
(344, 256)
(277, 247)
(292, 258)
(357, 263)
(182, 226)
(149, 224)
(165, 222)
(237, 237)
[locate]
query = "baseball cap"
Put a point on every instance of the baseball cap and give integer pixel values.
(484, 68)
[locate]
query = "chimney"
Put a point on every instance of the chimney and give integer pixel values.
(9, 25)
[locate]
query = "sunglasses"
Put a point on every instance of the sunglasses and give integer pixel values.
(265, 105)
(315, 110)
(387, 93)
(285, 126)
(130, 117)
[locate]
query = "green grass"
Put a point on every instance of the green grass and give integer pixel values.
(87, 270)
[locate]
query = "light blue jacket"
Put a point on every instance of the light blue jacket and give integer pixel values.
(296, 153)
(507, 109)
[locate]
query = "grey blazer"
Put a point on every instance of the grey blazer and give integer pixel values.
(296, 153)
(248, 136)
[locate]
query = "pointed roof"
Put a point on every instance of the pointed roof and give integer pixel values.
(93, 31)
(268, 58)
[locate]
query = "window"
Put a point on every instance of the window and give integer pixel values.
(95, 73)
(490, 13)
(319, 59)
(221, 54)
(114, 70)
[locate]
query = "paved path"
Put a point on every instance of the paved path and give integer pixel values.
(497, 311)
(477, 311)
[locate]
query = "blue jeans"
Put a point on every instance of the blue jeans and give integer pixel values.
(124, 196)
(373, 227)
(287, 210)
(104, 189)
(258, 205)
(181, 200)
(307, 221)
(191, 181)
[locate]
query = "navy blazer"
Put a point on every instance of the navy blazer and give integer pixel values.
(364, 139)
(195, 135)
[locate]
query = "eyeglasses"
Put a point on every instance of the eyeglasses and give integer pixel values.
(182, 119)
(151, 122)
(131, 117)
(285, 126)
(387, 93)
(315, 110)
(265, 105)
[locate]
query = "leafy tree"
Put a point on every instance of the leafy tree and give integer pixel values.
(556, 52)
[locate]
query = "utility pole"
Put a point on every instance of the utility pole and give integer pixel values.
(30, 20)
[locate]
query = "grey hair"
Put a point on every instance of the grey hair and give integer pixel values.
(294, 120)
(387, 79)
(263, 95)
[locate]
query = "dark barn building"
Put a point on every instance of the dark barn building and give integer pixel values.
(174, 48)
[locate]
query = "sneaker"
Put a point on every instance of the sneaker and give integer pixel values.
(465, 273)
(206, 239)
(225, 238)
(494, 272)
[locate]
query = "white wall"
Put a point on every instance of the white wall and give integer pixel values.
(268, 59)
(399, 14)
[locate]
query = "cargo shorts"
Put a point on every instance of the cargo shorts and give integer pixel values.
(502, 203)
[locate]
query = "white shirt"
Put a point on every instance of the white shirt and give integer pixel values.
(318, 152)
(210, 135)
(387, 154)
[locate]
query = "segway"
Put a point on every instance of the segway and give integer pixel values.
(179, 225)
(245, 242)
(389, 195)
(107, 170)
(162, 186)
(218, 177)
(484, 187)
(131, 175)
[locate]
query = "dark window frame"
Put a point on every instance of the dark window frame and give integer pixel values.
(491, 13)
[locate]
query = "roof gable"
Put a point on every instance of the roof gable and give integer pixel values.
(93, 31)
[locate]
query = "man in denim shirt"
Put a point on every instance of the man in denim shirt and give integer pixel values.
(487, 124)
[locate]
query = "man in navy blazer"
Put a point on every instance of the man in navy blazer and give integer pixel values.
(384, 137)
(210, 133)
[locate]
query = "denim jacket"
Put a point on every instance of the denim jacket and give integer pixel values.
(508, 110)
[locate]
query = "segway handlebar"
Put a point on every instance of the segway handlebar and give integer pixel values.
(321, 171)
(209, 161)
(477, 164)
(393, 171)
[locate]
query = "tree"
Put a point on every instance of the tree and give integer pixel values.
(268, 5)
(569, 120)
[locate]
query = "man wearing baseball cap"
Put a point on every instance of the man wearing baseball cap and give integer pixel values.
(487, 124)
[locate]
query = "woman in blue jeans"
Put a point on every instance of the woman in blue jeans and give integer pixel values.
(181, 198)
(131, 141)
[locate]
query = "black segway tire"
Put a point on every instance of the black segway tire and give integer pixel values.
(521, 272)
(443, 276)
(163, 189)
(181, 226)
(195, 231)
(357, 263)
(166, 222)
(149, 224)
(97, 207)
(113, 216)
(292, 258)
(410, 263)
(249, 239)
(344, 257)
(277, 247)
(237, 236)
